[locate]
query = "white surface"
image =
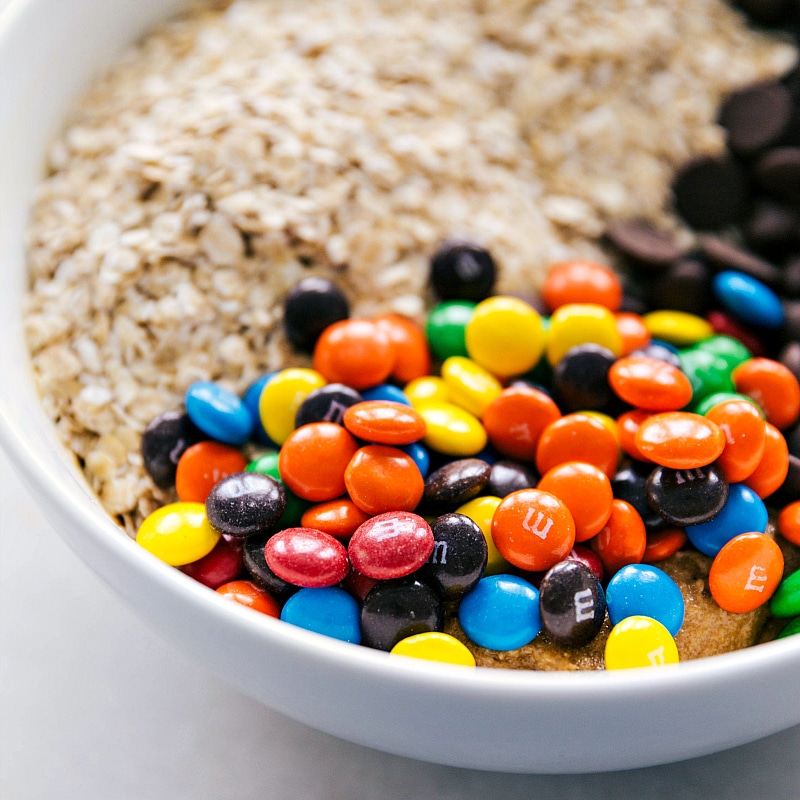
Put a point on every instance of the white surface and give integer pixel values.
(93, 705)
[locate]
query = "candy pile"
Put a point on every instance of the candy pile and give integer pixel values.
(526, 485)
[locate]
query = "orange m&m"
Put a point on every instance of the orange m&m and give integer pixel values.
(533, 529)
(202, 466)
(313, 459)
(412, 358)
(586, 492)
(773, 467)
(746, 572)
(578, 437)
(680, 440)
(623, 539)
(582, 282)
(515, 419)
(339, 518)
(381, 479)
(384, 422)
(356, 352)
(650, 383)
(773, 386)
(745, 437)
(247, 594)
(789, 522)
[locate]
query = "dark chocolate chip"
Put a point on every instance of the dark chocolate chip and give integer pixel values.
(789, 356)
(396, 609)
(722, 255)
(684, 286)
(644, 245)
(661, 351)
(710, 193)
(771, 228)
(790, 283)
(327, 404)
(629, 484)
(777, 171)
(756, 117)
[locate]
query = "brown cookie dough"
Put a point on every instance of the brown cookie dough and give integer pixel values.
(707, 630)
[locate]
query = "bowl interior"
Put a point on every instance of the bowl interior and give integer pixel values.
(49, 52)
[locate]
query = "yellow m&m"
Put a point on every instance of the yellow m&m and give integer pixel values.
(639, 641)
(282, 396)
(579, 323)
(178, 533)
(435, 646)
(505, 336)
(452, 430)
(471, 386)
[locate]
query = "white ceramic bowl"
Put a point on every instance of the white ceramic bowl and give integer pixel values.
(487, 719)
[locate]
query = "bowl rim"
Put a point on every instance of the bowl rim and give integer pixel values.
(39, 474)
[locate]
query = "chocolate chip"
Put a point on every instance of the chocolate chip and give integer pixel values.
(685, 286)
(756, 117)
(789, 490)
(767, 12)
(771, 228)
(459, 556)
(710, 193)
(723, 255)
(792, 437)
(789, 356)
(791, 277)
(643, 245)
(791, 320)
(778, 172)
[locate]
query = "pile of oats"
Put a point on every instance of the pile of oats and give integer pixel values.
(245, 145)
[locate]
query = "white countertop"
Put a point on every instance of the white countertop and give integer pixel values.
(94, 705)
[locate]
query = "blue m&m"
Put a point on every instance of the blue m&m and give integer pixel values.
(744, 512)
(219, 413)
(748, 299)
(328, 610)
(501, 613)
(644, 590)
